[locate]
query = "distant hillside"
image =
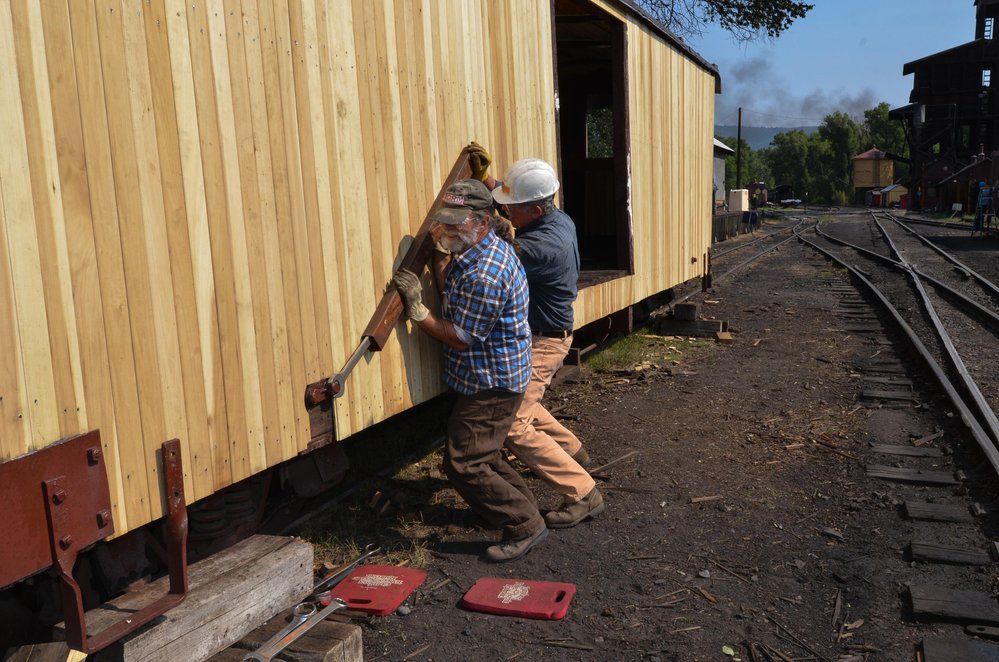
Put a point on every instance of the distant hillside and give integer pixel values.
(759, 137)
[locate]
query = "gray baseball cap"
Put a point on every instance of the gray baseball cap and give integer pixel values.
(462, 197)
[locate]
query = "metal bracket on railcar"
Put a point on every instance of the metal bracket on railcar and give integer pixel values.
(61, 504)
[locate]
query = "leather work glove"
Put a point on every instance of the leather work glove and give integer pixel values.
(479, 161)
(408, 285)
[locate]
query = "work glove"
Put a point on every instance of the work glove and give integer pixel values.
(479, 161)
(408, 285)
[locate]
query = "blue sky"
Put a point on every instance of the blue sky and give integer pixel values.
(845, 55)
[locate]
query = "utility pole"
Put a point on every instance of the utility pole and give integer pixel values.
(738, 152)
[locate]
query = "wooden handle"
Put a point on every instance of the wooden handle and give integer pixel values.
(390, 307)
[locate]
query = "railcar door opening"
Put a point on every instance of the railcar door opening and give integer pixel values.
(591, 58)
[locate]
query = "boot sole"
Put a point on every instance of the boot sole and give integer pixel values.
(593, 513)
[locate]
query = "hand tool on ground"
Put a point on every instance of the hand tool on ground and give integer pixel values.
(300, 614)
(266, 653)
(338, 575)
(389, 309)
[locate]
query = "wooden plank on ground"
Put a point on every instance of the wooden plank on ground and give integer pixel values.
(910, 451)
(230, 594)
(887, 395)
(948, 650)
(938, 512)
(933, 552)
(697, 328)
(941, 603)
(884, 368)
(911, 475)
(330, 640)
(890, 379)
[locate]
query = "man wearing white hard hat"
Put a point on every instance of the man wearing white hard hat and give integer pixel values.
(547, 246)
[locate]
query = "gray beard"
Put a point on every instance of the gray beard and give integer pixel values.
(460, 244)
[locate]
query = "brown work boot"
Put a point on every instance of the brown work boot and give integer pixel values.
(583, 458)
(571, 514)
(514, 549)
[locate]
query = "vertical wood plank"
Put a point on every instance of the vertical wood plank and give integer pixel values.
(48, 218)
(135, 506)
(253, 436)
(154, 244)
(196, 440)
(210, 461)
(248, 454)
(231, 461)
(263, 237)
(340, 308)
(281, 112)
(316, 188)
(37, 403)
(138, 291)
(97, 404)
(15, 437)
(345, 81)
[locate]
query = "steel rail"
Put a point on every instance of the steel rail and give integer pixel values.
(970, 385)
(983, 440)
(866, 251)
(728, 273)
(735, 268)
(980, 279)
(715, 256)
(938, 224)
(944, 288)
(740, 265)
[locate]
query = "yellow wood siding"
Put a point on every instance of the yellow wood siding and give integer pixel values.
(873, 172)
(202, 202)
(671, 116)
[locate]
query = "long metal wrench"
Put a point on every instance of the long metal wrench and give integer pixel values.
(269, 650)
(300, 614)
(338, 576)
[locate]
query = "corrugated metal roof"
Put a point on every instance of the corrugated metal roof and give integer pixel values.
(873, 153)
(719, 145)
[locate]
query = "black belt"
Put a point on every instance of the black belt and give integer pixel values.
(562, 333)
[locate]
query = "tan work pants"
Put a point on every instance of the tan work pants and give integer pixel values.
(540, 441)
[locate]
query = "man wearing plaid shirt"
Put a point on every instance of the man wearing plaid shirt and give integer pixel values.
(487, 360)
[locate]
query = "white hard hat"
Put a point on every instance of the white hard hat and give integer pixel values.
(527, 180)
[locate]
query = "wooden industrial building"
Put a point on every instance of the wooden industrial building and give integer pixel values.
(952, 120)
(201, 203)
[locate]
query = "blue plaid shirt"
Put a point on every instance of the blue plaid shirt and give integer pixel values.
(485, 295)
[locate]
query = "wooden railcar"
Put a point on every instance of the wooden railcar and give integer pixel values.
(201, 202)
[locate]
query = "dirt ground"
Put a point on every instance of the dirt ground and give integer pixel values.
(746, 518)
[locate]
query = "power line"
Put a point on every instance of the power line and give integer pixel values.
(782, 117)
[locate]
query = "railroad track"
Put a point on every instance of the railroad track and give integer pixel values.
(949, 315)
(731, 259)
(949, 312)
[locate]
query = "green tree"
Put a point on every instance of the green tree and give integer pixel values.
(842, 134)
(886, 134)
(755, 167)
(789, 162)
(745, 19)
